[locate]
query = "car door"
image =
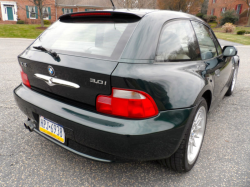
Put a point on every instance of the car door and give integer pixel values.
(225, 67)
(211, 53)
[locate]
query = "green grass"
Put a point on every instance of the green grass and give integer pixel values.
(30, 31)
(213, 24)
(245, 40)
(233, 37)
(20, 31)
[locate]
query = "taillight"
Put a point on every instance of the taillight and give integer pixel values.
(25, 78)
(91, 14)
(127, 103)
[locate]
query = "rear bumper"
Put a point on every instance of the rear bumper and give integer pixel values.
(105, 138)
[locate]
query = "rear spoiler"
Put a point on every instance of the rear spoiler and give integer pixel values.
(100, 15)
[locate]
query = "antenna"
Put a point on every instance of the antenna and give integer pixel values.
(113, 4)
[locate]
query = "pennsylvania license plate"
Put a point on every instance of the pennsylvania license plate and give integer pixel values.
(52, 129)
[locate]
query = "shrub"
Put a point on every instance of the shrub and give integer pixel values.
(213, 18)
(199, 15)
(241, 32)
(20, 22)
(228, 27)
(247, 32)
(46, 22)
(206, 18)
(203, 17)
(209, 18)
(229, 16)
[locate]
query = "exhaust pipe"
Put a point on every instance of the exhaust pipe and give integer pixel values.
(28, 124)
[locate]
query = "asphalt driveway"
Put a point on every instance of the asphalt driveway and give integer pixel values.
(225, 43)
(27, 159)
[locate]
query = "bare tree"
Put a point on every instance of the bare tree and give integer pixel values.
(204, 7)
(135, 4)
(248, 4)
(148, 4)
(180, 5)
(129, 4)
(229, 6)
(40, 5)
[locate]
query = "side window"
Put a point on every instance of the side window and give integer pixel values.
(207, 46)
(219, 50)
(178, 43)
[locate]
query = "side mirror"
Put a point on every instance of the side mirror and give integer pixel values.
(229, 51)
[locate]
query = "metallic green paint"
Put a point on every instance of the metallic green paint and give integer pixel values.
(104, 137)
(144, 41)
(171, 85)
(166, 120)
(176, 87)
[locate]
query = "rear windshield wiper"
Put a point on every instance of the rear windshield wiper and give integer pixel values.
(50, 52)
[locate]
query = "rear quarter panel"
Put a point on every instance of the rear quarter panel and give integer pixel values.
(172, 85)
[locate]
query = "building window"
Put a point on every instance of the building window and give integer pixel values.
(45, 13)
(86, 10)
(32, 12)
(212, 12)
(238, 8)
(214, 1)
(67, 11)
(223, 10)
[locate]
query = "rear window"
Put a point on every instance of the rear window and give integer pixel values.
(95, 39)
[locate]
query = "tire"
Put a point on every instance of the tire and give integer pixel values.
(233, 83)
(182, 160)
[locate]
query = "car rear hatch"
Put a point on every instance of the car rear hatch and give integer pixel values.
(73, 59)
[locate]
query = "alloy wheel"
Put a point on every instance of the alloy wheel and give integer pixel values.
(196, 135)
(234, 79)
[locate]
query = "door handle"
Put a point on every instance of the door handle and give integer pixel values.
(217, 72)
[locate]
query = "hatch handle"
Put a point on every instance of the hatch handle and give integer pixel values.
(51, 81)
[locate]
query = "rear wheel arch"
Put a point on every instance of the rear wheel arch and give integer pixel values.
(207, 95)
(179, 160)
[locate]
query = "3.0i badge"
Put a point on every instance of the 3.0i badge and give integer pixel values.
(51, 70)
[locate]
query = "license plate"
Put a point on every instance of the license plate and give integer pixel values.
(52, 129)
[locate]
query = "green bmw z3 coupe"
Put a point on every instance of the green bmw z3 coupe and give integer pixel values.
(120, 86)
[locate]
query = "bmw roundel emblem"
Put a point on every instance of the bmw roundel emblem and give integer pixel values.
(51, 70)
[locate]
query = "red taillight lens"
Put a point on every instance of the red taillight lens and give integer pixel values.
(91, 14)
(127, 103)
(25, 79)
